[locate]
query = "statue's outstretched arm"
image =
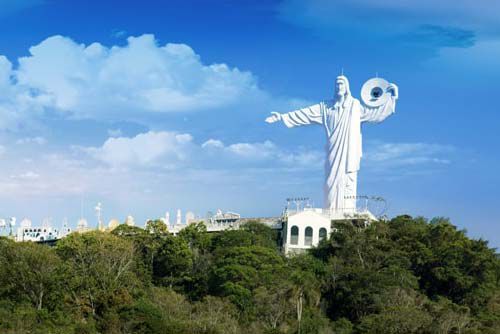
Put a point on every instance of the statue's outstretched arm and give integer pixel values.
(305, 116)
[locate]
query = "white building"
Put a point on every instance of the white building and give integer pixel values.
(37, 234)
(130, 221)
(304, 229)
(190, 217)
(224, 218)
(82, 225)
(178, 220)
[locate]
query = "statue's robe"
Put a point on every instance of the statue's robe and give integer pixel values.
(342, 124)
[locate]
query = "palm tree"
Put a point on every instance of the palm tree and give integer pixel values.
(304, 291)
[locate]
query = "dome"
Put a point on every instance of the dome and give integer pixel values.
(130, 221)
(82, 224)
(113, 223)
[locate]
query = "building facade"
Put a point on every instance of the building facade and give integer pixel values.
(304, 229)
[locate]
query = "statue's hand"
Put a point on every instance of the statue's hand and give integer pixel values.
(275, 117)
(394, 89)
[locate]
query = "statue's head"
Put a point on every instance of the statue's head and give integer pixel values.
(342, 86)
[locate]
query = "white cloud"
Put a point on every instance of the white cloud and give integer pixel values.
(263, 150)
(144, 149)
(122, 83)
(213, 143)
(17, 103)
(97, 81)
(384, 155)
(266, 151)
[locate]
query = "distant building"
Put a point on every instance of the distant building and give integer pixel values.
(65, 229)
(225, 218)
(179, 217)
(37, 234)
(190, 218)
(82, 225)
(130, 221)
(113, 223)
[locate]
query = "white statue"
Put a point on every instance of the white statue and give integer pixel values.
(341, 119)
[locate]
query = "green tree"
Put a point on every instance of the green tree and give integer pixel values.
(147, 243)
(156, 226)
(238, 271)
(173, 263)
(101, 269)
(197, 237)
(251, 234)
(272, 305)
(199, 242)
(447, 263)
(401, 311)
(29, 272)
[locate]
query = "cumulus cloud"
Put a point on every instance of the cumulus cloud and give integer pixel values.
(144, 149)
(130, 82)
(94, 80)
(17, 103)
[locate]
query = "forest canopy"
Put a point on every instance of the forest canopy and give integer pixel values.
(405, 275)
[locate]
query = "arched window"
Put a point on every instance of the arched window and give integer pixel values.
(294, 240)
(308, 241)
(322, 233)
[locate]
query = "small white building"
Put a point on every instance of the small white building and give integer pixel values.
(130, 221)
(304, 229)
(190, 217)
(82, 225)
(37, 234)
(224, 218)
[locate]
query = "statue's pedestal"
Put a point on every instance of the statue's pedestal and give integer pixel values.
(304, 229)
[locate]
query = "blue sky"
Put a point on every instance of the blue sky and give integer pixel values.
(152, 107)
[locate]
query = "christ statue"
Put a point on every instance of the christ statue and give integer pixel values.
(341, 118)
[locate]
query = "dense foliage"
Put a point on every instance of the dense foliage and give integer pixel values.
(406, 275)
